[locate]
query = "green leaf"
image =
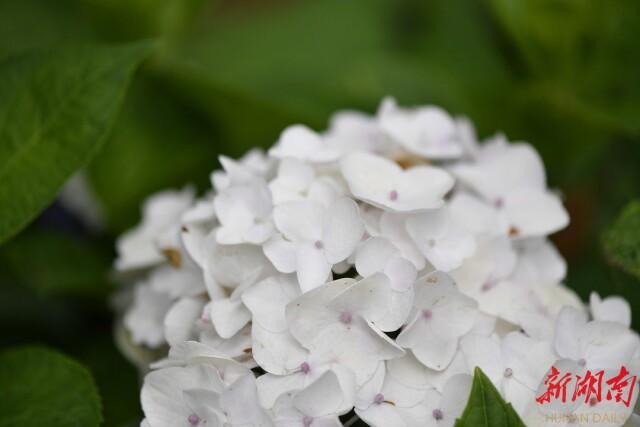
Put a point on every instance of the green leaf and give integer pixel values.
(42, 387)
(622, 240)
(486, 408)
(55, 263)
(57, 108)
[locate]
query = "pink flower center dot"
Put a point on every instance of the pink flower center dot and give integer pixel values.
(318, 244)
(305, 368)
(378, 398)
(193, 419)
(393, 195)
(427, 314)
(306, 421)
(437, 414)
(345, 317)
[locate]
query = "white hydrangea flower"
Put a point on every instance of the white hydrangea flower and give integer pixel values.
(439, 244)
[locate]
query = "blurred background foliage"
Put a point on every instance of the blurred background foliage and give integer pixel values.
(229, 75)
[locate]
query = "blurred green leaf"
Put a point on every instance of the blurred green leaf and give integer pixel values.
(141, 18)
(486, 408)
(55, 263)
(582, 56)
(256, 73)
(56, 22)
(43, 387)
(156, 143)
(622, 240)
(58, 107)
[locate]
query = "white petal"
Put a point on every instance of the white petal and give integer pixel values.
(382, 183)
(393, 227)
(528, 359)
(606, 344)
(433, 349)
(322, 398)
(312, 266)
(440, 241)
(484, 353)
(302, 143)
(502, 169)
(276, 352)
(342, 230)
(532, 212)
(178, 282)
(240, 403)
(308, 314)
(228, 316)
(300, 220)
(162, 393)
(409, 371)
(427, 131)
(613, 309)
(475, 215)
(267, 301)
(367, 392)
(144, 318)
(180, 322)
(569, 324)
(281, 253)
(271, 387)
(401, 273)
(455, 395)
(372, 255)
(539, 262)
(369, 297)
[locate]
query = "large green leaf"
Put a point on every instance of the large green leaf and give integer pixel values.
(42, 387)
(486, 408)
(622, 240)
(57, 108)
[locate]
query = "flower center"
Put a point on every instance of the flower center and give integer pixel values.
(393, 195)
(508, 373)
(427, 314)
(318, 244)
(378, 398)
(582, 362)
(498, 202)
(193, 419)
(305, 368)
(593, 401)
(306, 421)
(345, 317)
(437, 414)
(486, 286)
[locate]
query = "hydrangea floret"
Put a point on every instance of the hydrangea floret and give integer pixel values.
(363, 271)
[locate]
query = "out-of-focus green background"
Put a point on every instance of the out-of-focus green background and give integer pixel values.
(225, 76)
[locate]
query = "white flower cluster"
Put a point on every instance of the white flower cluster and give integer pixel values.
(363, 271)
